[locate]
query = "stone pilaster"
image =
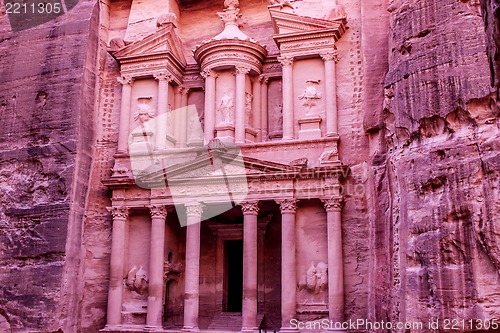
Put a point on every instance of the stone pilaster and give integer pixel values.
(155, 291)
(116, 274)
(330, 59)
(249, 307)
(210, 77)
(288, 117)
(256, 107)
(263, 108)
(192, 277)
(124, 128)
(162, 127)
(239, 121)
(333, 207)
(288, 208)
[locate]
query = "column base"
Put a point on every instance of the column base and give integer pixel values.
(310, 128)
(249, 330)
(288, 330)
(190, 329)
(153, 328)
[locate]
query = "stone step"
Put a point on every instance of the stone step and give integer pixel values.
(230, 321)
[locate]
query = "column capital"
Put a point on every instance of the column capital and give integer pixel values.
(330, 56)
(242, 70)
(158, 211)
(194, 209)
(285, 61)
(125, 80)
(250, 207)
(287, 205)
(118, 212)
(264, 79)
(333, 204)
(208, 72)
(183, 90)
(163, 76)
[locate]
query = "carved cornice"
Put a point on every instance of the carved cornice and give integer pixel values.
(125, 80)
(250, 207)
(118, 212)
(163, 76)
(333, 204)
(158, 211)
(208, 72)
(330, 56)
(242, 70)
(194, 209)
(287, 205)
(286, 61)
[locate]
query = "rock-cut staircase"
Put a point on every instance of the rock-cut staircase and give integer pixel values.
(230, 322)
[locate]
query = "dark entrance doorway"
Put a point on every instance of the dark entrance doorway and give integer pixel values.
(233, 279)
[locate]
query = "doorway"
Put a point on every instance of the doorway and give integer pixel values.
(233, 275)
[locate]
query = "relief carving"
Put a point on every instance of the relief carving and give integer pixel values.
(281, 3)
(226, 108)
(137, 280)
(317, 277)
(311, 95)
(144, 112)
(248, 109)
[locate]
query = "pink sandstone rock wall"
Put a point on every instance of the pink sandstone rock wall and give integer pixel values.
(434, 167)
(47, 79)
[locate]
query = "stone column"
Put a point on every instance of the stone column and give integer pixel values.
(183, 115)
(116, 274)
(288, 123)
(156, 260)
(288, 208)
(263, 108)
(256, 104)
(192, 277)
(162, 109)
(330, 59)
(239, 119)
(124, 128)
(177, 115)
(333, 207)
(249, 306)
(210, 76)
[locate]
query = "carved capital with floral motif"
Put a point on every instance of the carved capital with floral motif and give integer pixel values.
(333, 204)
(242, 70)
(120, 213)
(208, 72)
(125, 80)
(286, 61)
(163, 76)
(158, 211)
(250, 207)
(288, 205)
(330, 56)
(194, 209)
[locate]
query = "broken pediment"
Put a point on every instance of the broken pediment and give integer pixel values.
(154, 52)
(305, 35)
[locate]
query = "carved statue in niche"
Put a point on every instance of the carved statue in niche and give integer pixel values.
(310, 95)
(170, 120)
(226, 108)
(278, 113)
(195, 122)
(137, 280)
(248, 109)
(144, 112)
(317, 277)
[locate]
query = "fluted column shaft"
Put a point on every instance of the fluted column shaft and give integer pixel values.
(124, 127)
(264, 111)
(249, 306)
(192, 278)
(288, 208)
(116, 274)
(210, 77)
(333, 208)
(288, 118)
(183, 115)
(256, 105)
(239, 121)
(162, 109)
(330, 59)
(157, 257)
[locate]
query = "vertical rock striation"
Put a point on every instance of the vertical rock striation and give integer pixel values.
(47, 75)
(435, 168)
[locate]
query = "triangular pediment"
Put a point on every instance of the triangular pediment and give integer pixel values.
(216, 166)
(164, 41)
(287, 23)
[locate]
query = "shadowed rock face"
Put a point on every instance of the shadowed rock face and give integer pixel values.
(46, 132)
(436, 170)
(491, 17)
